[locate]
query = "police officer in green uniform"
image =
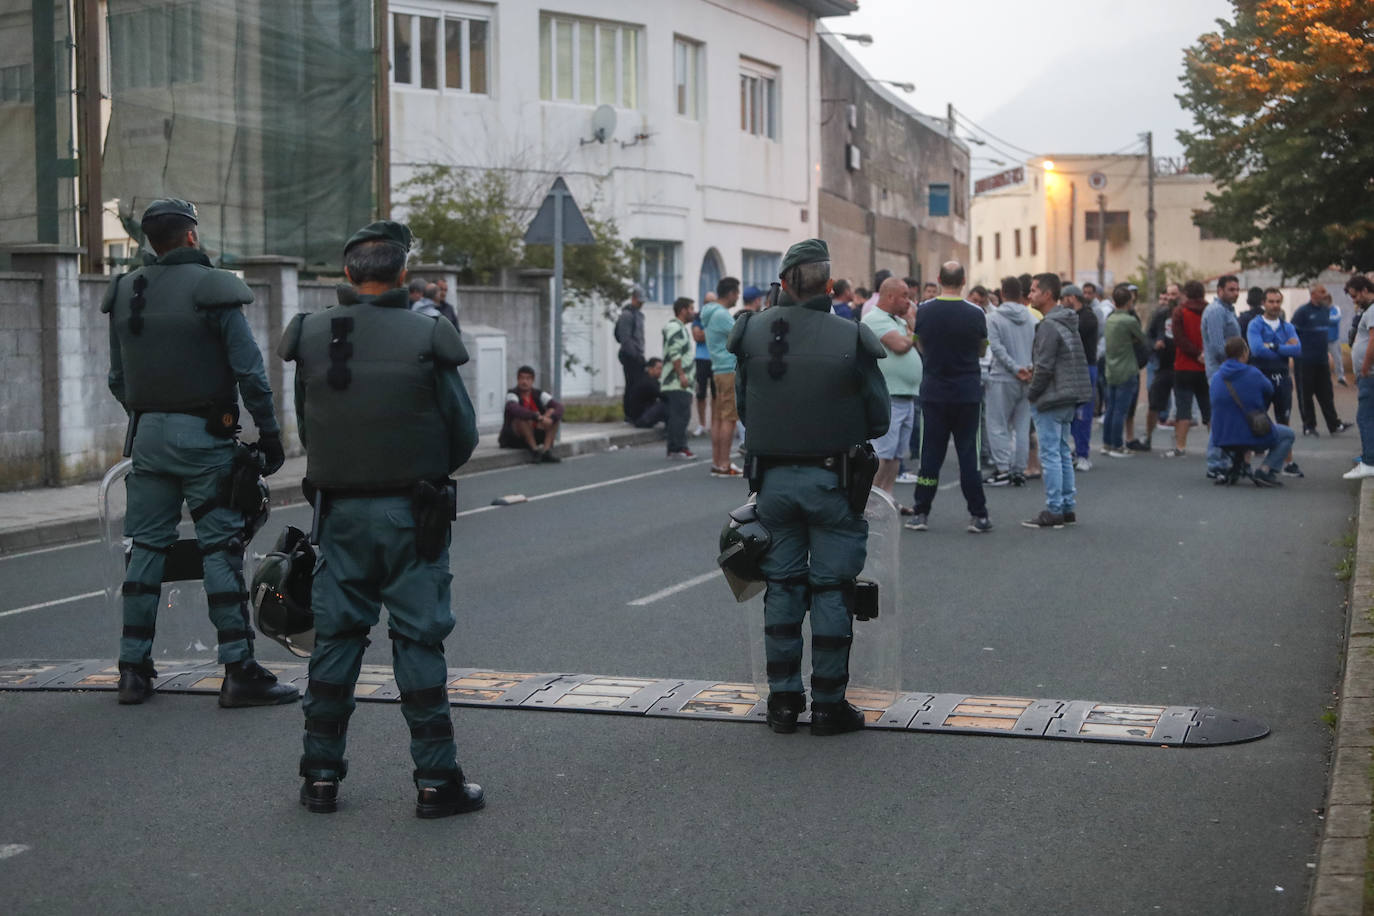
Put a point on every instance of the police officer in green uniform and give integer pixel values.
(810, 394)
(179, 349)
(385, 420)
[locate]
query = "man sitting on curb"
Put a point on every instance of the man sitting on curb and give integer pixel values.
(1238, 389)
(644, 405)
(532, 418)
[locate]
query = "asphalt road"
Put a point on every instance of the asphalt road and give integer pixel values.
(1169, 591)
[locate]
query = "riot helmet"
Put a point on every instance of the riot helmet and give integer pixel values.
(281, 593)
(743, 543)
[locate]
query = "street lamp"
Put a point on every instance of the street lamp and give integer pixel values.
(864, 39)
(905, 87)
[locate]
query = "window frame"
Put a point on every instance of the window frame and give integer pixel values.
(997, 246)
(621, 98)
(1016, 242)
(691, 60)
(980, 249)
(661, 288)
(1113, 218)
(1033, 241)
(937, 190)
(442, 14)
(753, 260)
(759, 85)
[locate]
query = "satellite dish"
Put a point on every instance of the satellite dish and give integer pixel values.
(603, 123)
(1097, 181)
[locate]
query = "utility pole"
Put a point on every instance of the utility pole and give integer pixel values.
(45, 120)
(1150, 219)
(88, 120)
(1101, 242)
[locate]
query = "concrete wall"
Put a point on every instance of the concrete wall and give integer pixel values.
(59, 424)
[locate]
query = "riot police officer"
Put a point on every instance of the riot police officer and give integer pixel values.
(385, 420)
(810, 394)
(179, 348)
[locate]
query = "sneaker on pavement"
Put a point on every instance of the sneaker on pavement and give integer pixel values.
(1359, 472)
(1070, 517)
(907, 477)
(1264, 477)
(548, 457)
(1119, 453)
(1018, 480)
(1083, 463)
(1135, 445)
(1310, 431)
(1339, 428)
(1173, 453)
(1342, 382)
(682, 455)
(1105, 450)
(1000, 479)
(980, 524)
(698, 432)
(731, 471)
(1291, 469)
(918, 522)
(1214, 474)
(1046, 519)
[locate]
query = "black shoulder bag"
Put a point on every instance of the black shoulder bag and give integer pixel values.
(1260, 424)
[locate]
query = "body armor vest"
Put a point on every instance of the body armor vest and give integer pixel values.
(169, 340)
(371, 407)
(803, 392)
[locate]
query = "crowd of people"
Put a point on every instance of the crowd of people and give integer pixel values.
(1005, 388)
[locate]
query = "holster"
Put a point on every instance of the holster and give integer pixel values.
(239, 491)
(434, 505)
(858, 467)
(222, 420)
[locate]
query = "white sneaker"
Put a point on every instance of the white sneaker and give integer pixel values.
(1083, 464)
(1359, 471)
(907, 477)
(699, 431)
(1120, 453)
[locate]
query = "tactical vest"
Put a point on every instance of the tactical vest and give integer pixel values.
(169, 338)
(372, 415)
(803, 392)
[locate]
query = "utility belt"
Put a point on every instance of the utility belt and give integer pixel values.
(433, 503)
(856, 467)
(221, 420)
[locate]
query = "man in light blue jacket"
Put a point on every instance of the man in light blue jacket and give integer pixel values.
(1219, 324)
(1011, 334)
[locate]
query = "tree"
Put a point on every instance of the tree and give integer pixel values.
(1281, 101)
(598, 272)
(465, 218)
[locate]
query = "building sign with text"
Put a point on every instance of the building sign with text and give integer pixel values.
(1000, 180)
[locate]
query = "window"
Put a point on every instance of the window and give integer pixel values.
(1204, 234)
(658, 270)
(997, 246)
(1032, 240)
(155, 47)
(939, 200)
(759, 268)
(1016, 242)
(430, 46)
(1118, 225)
(16, 83)
(758, 99)
(686, 79)
(980, 245)
(588, 62)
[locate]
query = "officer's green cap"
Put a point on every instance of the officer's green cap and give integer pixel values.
(384, 230)
(165, 206)
(807, 252)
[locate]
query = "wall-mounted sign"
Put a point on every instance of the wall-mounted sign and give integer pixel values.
(1000, 180)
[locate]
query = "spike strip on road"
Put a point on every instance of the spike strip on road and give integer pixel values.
(1023, 717)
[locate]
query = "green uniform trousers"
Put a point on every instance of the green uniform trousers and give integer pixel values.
(176, 460)
(367, 558)
(818, 549)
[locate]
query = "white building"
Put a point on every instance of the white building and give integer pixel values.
(712, 168)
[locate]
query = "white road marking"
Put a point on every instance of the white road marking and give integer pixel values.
(35, 607)
(9, 850)
(588, 486)
(673, 589)
(33, 553)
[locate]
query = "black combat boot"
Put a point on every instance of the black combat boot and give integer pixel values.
(835, 718)
(135, 682)
(247, 683)
(320, 796)
(456, 796)
(783, 708)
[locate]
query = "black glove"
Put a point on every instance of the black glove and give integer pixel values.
(269, 446)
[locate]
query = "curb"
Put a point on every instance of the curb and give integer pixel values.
(49, 534)
(1339, 886)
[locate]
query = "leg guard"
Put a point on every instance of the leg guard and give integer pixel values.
(141, 590)
(784, 606)
(329, 703)
(832, 634)
(422, 675)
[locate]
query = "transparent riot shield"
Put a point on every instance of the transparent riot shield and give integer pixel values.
(184, 630)
(875, 660)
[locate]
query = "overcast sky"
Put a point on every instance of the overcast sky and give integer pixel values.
(1052, 76)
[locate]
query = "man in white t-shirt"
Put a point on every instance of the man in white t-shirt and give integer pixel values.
(1361, 289)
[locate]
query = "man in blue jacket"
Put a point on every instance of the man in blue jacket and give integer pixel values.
(1272, 341)
(1314, 373)
(1238, 389)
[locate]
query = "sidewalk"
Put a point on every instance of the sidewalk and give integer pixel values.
(55, 515)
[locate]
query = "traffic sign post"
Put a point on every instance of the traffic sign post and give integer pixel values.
(559, 222)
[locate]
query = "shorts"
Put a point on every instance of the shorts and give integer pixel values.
(893, 444)
(705, 381)
(1161, 388)
(1190, 384)
(723, 407)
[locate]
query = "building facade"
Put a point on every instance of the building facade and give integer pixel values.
(1062, 213)
(894, 181)
(694, 124)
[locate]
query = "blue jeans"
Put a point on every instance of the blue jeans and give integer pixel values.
(1119, 398)
(1364, 416)
(1083, 422)
(1282, 446)
(1053, 426)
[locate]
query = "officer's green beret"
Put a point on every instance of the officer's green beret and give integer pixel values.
(165, 206)
(384, 230)
(807, 252)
